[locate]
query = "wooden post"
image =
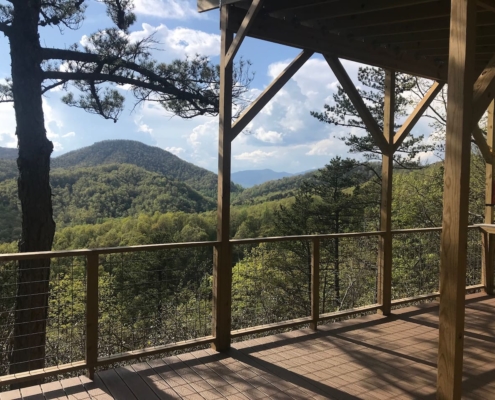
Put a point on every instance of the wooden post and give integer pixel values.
(315, 284)
(489, 239)
(455, 198)
(222, 268)
(385, 248)
(91, 313)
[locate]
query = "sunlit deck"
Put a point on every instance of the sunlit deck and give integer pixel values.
(371, 357)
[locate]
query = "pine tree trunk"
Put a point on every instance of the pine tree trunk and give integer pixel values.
(38, 227)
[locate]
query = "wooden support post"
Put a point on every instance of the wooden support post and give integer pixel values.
(489, 239)
(455, 198)
(385, 248)
(91, 313)
(315, 284)
(222, 268)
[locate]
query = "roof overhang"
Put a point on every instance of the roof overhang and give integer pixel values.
(410, 36)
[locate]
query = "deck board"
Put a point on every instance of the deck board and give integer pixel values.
(372, 357)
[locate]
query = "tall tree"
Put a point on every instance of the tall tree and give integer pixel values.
(186, 88)
(330, 202)
(343, 113)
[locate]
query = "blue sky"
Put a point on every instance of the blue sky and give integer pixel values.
(284, 137)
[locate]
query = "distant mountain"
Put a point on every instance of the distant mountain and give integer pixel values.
(272, 190)
(254, 177)
(88, 195)
(152, 159)
(7, 153)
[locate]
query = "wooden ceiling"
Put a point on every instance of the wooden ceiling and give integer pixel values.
(410, 36)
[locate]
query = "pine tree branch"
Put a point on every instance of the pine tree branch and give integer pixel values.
(154, 81)
(122, 80)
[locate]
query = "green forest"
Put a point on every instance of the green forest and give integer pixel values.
(125, 193)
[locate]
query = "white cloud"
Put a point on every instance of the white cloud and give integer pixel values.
(268, 136)
(325, 147)
(175, 150)
(69, 134)
(255, 156)
(180, 42)
(172, 9)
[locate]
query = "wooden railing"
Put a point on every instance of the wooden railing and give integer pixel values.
(318, 253)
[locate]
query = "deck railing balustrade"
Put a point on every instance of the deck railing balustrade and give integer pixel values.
(112, 305)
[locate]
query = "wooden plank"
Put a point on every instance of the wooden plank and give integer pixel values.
(356, 99)
(484, 18)
(136, 384)
(134, 354)
(253, 11)
(115, 385)
(32, 393)
(342, 9)
(456, 199)
(74, 389)
(270, 327)
(418, 112)
(154, 381)
(384, 16)
(265, 97)
(487, 4)
(207, 5)
(318, 40)
(92, 308)
(103, 250)
(384, 295)
(41, 373)
(11, 395)
(315, 284)
(222, 267)
(95, 388)
(489, 239)
(349, 313)
(53, 391)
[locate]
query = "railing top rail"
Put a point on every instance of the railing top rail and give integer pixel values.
(102, 250)
(164, 246)
(305, 237)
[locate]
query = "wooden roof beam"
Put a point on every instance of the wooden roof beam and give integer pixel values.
(400, 13)
(253, 11)
(263, 99)
(483, 18)
(487, 4)
(418, 112)
(282, 32)
(207, 5)
(371, 125)
(339, 8)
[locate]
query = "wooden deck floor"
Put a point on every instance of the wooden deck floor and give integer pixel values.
(366, 358)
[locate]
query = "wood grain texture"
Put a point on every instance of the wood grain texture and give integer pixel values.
(489, 239)
(315, 284)
(455, 199)
(222, 260)
(384, 295)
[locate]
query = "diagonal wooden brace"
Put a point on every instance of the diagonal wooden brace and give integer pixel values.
(418, 112)
(254, 9)
(358, 102)
(263, 99)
